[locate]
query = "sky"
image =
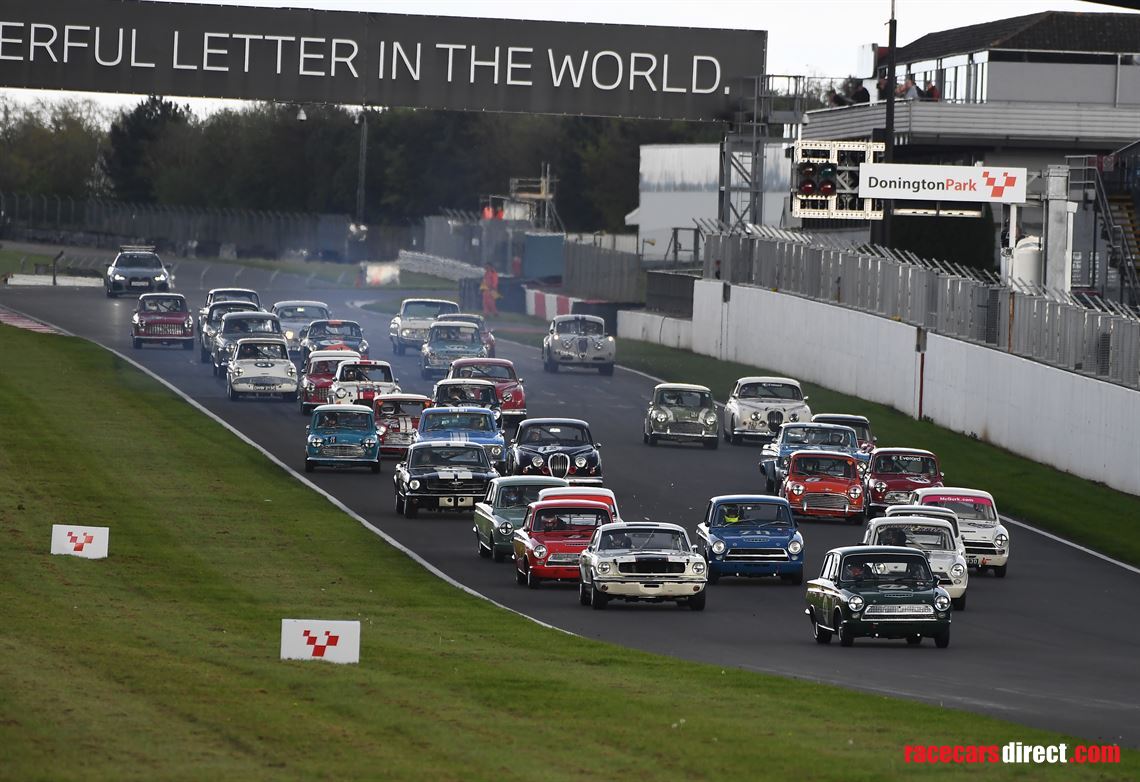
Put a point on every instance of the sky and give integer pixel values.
(798, 42)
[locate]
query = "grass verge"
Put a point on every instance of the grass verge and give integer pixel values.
(161, 661)
(10, 261)
(344, 274)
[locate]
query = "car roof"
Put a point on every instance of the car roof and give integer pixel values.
(366, 362)
(334, 321)
(419, 300)
(954, 490)
(462, 315)
(464, 381)
(446, 443)
(228, 289)
(568, 502)
(161, 295)
(754, 499)
(249, 314)
(438, 324)
(919, 510)
(577, 316)
(531, 480)
(403, 397)
(810, 425)
(458, 409)
(247, 306)
(841, 417)
(643, 525)
(836, 454)
(680, 387)
(343, 355)
(528, 422)
(332, 408)
(845, 550)
(765, 379)
(299, 303)
(598, 491)
(502, 362)
(893, 449)
(926, 521)
(275, 339)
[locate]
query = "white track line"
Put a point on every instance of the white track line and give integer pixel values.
(309, 484)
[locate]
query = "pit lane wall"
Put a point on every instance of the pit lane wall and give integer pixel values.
(659, 329)
(1084, 426)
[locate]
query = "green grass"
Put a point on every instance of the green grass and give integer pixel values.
(10, 261)
(343, 273)
(161, 661)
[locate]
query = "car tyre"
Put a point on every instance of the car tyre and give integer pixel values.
(203, 356)
(959, 603)
(697, 601)
(598, 598)
(942, 640)
(999, 570)
(651, 439)
(398, 505)
(375, 467)
(532, 581)
(110, 294)
(846, 636)
(913, 640)
(714, 576)
(234, 396)
(409, 509)
(309, 466)
(583, 593)
(520, 577)
(496, 555)
(712, 443)
(821, 634)
(733, 438)
(793, 578)
(483, 551)
(606, 369)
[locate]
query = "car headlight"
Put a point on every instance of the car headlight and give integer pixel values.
(289, 334)
(794, 417)
(118, 277)
(370, 442)
(291, 371)
(496, 451)
(508, 397)
(238, 372)
(505, 528)
(316, 441)
(413, 484)
(660, 417)
(710, 419)
(602, 567)
(795, 547)
(855, 492)
(756, 416)
(797, 489)
(580, 462)
(536, 461)
(363, 346)
(942, 602)
(540, 551)
(957, 571)
(698, 567)
(880, 487)
(855, 603)
(405, 332)
(135, 318)
(341, 393)
(718, 547)
(189, 322)
(159, 277)
(1001, 541)
(598, 345)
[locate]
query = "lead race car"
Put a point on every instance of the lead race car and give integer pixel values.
(410, 327)
(442, 475)
(758, 406)
(642, 562)
(162, 318)
(578, 341)
(682, 412)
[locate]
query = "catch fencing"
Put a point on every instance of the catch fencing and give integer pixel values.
(1075, 332)
(597, 273)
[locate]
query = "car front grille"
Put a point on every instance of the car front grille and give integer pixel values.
(559, 465)
(651, 565)
(162, 330)
(457, 486)
(775, 418)
(685, 427)
(825, 501)
(342, 451)
(320, 394)
(399, 438)
(980, 547)
(583, 344)
(900, 611)
(897, 497)
(566, 559)
(756, 555)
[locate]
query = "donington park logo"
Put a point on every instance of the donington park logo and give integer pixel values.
(996, 190)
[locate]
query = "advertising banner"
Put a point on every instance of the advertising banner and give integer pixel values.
(320, 639)
(993, 184)
(77, 540)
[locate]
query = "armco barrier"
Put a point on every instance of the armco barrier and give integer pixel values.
(655, 328)
(1085, 426)
(436, 266)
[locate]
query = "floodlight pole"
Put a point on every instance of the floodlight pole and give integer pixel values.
(360, 165)
(889, 140)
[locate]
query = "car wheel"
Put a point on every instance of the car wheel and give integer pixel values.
(375, 468)
(644, 437)
(398, 504)
(846, 636)
(304, 409)
(942, 640)
(733, 438)
(913, 640)
(583, 593)
(724, 434)
(793, 578)
(216, 370)
(959, 603)
(410, 510)
(532, 581)
(999, 570)
(697, 601)
(496, 555)
(714, 576)
(110, 295)
(606, 369)
(204, 356)
(712, 443)
(520, 577)
(857, 518)
(821, 634)
(598, 598)
(480, 549)
(652, 439)
(309, 466)
(233, 395)
(136, 343)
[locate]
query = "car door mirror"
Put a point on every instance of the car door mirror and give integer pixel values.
(695, 548)
(597, 445)
(521, 381)
(306, 427)
(806, 398)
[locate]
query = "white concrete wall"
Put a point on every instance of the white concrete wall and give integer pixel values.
(1075, 423)
(658, 329)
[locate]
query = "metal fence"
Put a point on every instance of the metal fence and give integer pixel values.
(1084, 334)
(671, 292)
(597, 273)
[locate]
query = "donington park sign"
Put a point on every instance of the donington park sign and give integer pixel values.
(296, 55)
(993, 184)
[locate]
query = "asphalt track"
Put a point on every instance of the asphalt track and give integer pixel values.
(1050, 646)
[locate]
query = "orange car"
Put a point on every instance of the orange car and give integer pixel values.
(825, 484)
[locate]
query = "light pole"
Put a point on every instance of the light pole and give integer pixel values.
(362, 161)
(889, 140)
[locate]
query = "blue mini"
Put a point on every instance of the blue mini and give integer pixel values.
(343, 436)
(751, 535)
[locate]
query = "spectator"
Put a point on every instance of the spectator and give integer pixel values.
(490, 288)
(882, 90)
(932, 92)
(837, 99)
(908, 90)
(861, 95)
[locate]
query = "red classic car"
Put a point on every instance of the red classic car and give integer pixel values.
(317, 377)
(476, 320)
(896, 472)
(501, 372)
(400, 413)
(552, 536)
(164, 318)
(826, 484)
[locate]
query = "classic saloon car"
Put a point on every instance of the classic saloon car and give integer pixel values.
(931, 512)
(236, 326)
(758, 406)
(261, 367)
(501, 372)
(479, 322)
(399, 414)
(933, 536)
(162, 318)
(592, 493)
(503, 509)
(410, 327)
(359, 381)
(552, 537)
(751, 535)
(447, 341)
(578, 341)
(986, 538)
(562, 447)
(442, 475)
(642, 561)
(295, 314)
(476, 425)
(218, 295)
(212, 321)
(825, 484)
(878, 592)
(681, 412)
(333, 335)
(317, 374)
(461, 391)
(343, 436)
(791, 438)
(136, 270)
(860, 423)
(894, 473)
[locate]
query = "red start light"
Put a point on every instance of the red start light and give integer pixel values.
(807, 188)
(827, 188)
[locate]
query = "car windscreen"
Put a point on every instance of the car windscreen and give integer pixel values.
(249, 296)
(163, 304)
(769, 391)
(345, 419)
(410, 408)
(589, 328)
(644, 540)
(427, 310)
(449, 457)
(966, 509)
(915, 536)
(518, 496)
(568, 519)
(906, 464)
(554, 434)
(695, 400)
(251, 326)
(884, 569)
(823, 466)
(470, 422)
(138, 261)
(341, 328)
(308, 313)
(464, 335)
(358, 373)
(745, 514)
(465, 395)
(806, 435)
(262, 351)
(219, 311)
(323, 367)
(486, 372)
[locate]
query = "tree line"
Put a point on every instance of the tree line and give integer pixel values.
(261, 156)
